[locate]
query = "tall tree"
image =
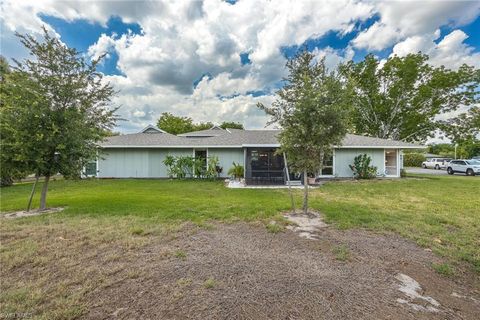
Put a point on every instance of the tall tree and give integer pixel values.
(465, 126)
(60, 108)
(402, 98)
(175, 124)
(11, 167)
(312, 110)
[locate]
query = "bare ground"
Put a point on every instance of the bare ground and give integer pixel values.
(240, 271)
(236, 271)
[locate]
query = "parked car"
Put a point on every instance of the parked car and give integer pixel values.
(436, 163)
(469, 167)
(476, 158)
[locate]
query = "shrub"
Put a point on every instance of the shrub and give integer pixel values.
(361, 167)
(413, 159)
(403, 173)
(236, 171)
(181, 167)
(170, 163)
(213, 169)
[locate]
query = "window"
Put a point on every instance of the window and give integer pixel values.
(91, 169)
(327, 168)
(265, 163)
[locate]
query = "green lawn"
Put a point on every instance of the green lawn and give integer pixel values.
(440, 212)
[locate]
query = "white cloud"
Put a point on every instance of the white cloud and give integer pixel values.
(184, 40)
(103, 45)
(450, 52)
(334, 57)
(402, 19)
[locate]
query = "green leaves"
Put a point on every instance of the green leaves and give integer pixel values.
(361, 167)
(236, 171)
(177, 125)
(402, 98)
(57, 108)
(312, 110)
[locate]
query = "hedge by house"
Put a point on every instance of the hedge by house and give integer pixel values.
(413, 159)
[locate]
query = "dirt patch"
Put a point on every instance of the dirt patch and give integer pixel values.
(238, 271)
(31, 213)
(241, 271)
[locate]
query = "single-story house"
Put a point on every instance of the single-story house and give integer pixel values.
(141, 155)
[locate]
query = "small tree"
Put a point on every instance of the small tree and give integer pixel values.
(311, 109)
(59, 106)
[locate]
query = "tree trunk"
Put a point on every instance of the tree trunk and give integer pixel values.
(305, 192)
(29, 206)
(43, 198)
(288, 181)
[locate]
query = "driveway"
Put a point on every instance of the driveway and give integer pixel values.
(440, 172)
(426, 171)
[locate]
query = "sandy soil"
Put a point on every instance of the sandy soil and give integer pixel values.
(31, 213)
(241, 271)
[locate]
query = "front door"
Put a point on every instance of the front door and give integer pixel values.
(391, 163)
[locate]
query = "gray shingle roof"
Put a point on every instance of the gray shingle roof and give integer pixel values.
(232, 138)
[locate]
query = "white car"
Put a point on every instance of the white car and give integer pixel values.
(469, 167)
(436, 163)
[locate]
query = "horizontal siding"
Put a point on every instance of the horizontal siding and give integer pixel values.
(226, 158)
(136, 163)
(148, 163)
(123, 163)
(345, 157)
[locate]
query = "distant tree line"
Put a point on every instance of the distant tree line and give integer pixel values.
(177, 124)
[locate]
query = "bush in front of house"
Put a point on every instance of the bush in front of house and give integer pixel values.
(361, 167)
(413, 159)
(182, 167)
(237, 171)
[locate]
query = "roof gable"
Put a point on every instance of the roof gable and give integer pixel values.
(152, 129)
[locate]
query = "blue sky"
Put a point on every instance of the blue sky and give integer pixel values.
(82, 33)
(212, 61)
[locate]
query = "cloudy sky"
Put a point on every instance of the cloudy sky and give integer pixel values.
(214, 60)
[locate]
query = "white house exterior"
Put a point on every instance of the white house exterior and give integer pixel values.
(141, 155)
